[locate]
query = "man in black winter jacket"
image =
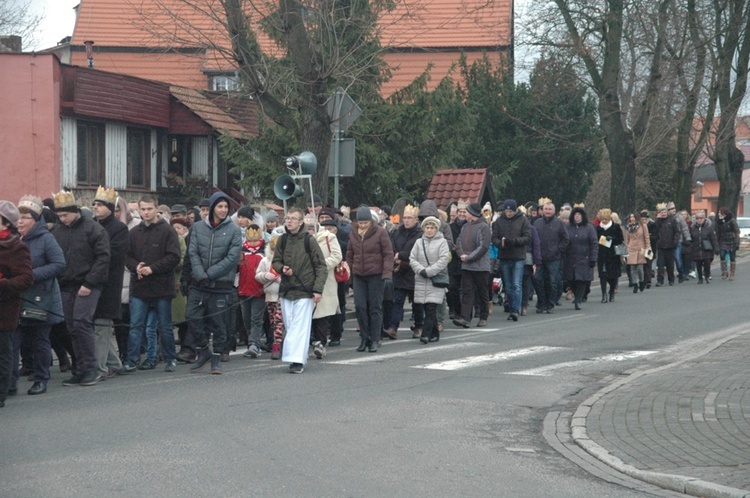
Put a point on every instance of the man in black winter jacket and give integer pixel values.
(668, 236)
(153, 254)
(85, 244)
(511, 233)
(109, 307)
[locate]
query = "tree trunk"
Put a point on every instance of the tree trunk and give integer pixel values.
(315, 135)
(621, 151)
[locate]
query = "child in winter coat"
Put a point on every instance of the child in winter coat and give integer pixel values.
(250, 290)
(270, 280)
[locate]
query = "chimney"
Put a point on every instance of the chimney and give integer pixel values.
(90, 52)
(10, 43)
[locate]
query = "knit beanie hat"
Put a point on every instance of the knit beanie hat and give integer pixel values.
(272, 215)
(363, 213)
(246, 212)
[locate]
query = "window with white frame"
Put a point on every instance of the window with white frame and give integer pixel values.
(225, 83)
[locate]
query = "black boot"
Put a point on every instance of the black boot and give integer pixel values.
(362, 345)
(612, 296)
(603, 284)
(203, 356)
(635, 288)
(216, 364)
(642, 286)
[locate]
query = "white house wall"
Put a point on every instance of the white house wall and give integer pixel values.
(116, 156)
(69, 152)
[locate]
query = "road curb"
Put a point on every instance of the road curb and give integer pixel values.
(681, 484)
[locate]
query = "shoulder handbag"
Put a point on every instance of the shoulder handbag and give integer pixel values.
(341, 271)
(36, 308)
(621, 250)
(441, 280)
(706, 245)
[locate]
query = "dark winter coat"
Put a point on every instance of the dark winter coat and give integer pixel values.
(214, 255)
(700, 235)
(110, 302)
(728, 233)
(85, 244)
(582, 251)
(403, 242)
(16, 277)
(157, 246)
(454, 266)
(667, 232)
(535, 249)
(309, 269)
(47, 262)
(372, 254)
(516, 232)
(608, 262)
(553, 237)
(474, 241)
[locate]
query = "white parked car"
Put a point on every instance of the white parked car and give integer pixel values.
(744, 224)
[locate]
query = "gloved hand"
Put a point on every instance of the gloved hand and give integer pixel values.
(423, 273)
(184, 288)
(592, 264)
(205, 283)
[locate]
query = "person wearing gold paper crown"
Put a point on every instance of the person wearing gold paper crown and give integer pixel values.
(109, 307)
(152, 256)
(85, 244)
(252, 296)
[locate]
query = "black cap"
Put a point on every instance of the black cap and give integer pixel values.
(205, 202)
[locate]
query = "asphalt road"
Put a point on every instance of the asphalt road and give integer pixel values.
(461, 417)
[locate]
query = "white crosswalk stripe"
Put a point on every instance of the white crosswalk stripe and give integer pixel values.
(403, 354)
(550, 369)
(475, 361)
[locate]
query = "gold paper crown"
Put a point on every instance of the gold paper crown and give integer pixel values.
(32, 203)
(661, 206)
(253, 233)
(64, 199)
(605, 213)
(579, 205)
(409, 209)
(106, 195)
(543, 201)
(462, 204)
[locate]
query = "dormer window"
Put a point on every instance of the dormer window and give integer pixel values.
(224, 83)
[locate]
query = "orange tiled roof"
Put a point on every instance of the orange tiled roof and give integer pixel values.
(450, 185)
(407, 66)
(448, 23)
(172, 68)
(421, 24)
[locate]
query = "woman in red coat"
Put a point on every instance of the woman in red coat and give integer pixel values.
(15, 278)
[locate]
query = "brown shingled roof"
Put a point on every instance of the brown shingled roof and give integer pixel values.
(470, 185)
(235, 118)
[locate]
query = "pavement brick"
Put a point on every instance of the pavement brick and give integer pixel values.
(692, 419)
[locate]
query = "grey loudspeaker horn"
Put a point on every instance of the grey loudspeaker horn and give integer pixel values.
(305, 161)
(284, 188)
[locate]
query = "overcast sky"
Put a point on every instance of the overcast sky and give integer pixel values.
(59, 20)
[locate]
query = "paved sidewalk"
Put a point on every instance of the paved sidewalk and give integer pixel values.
(684, 426)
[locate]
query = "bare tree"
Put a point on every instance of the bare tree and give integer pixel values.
(290, 54)
(17, 19)
(730, 55)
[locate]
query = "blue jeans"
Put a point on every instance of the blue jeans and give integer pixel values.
(546, 283)
(678, 259)
(139, 311)
(513, 281)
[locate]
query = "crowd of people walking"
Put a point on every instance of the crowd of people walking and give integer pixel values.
(107, 287)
